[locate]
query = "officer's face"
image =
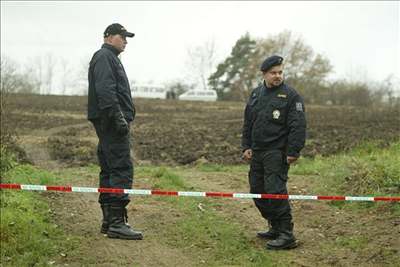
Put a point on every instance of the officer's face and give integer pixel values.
(118, 41)
(274, 76)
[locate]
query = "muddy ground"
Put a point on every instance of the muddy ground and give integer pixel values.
(183, 132)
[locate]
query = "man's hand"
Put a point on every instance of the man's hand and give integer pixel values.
(121, 124)
(290, 159)
(247, 154)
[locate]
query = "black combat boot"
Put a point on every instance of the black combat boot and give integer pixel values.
(286, 239)
(273, 231)
(118, 227)
(106, 217)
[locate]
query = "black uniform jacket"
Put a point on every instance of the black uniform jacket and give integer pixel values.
(274, 118)
(108, 85)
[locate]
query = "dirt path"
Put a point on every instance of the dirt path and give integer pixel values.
(328, 235)
(80, 215)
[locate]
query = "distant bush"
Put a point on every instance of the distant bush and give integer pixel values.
(7, 160)
(11, 152)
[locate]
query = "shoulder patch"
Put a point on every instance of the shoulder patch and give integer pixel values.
(299, 106)
(282, 95)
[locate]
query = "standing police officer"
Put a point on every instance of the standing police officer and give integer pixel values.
(111, 109)
(274, 133)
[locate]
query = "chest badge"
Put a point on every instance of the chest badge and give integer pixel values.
(276, 114)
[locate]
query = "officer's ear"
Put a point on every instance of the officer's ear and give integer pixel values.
(108, 39)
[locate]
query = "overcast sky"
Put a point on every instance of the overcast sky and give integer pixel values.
(361, 39)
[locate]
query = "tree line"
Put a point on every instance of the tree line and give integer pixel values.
(233, 78)
(42, 75)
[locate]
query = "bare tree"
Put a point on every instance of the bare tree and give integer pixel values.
(49, 64)
(8, 86)
(389, 87)
(201, 62)
(34, 71)
(13, 80)
(8, 73)
(66, 72)
(81, 77)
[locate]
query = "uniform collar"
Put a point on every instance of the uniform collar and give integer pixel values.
(112, 48)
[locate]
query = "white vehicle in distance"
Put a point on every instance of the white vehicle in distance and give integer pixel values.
(149, 91)
(199, 95)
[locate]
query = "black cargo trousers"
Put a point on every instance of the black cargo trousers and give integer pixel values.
(268, 175)
(116, 167)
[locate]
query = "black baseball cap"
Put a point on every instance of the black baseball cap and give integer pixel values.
(117, 28)
(271, 62)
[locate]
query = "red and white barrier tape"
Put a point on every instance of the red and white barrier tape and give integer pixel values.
(187, 194)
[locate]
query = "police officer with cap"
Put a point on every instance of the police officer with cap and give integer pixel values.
(111, 110)
(274, 132)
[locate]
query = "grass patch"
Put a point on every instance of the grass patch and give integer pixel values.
(166, 179)
(368, 170)
(28, 235)
(28, 174)
(207, 167)
(352, 242)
